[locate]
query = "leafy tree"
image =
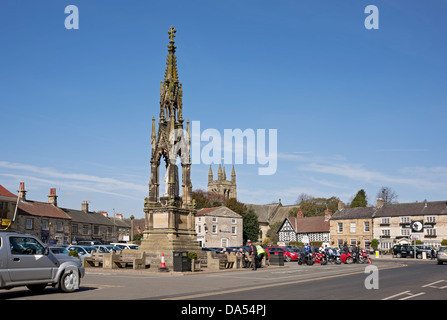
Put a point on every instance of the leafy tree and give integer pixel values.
(316, 206)
(359, 200)
(251, 226)
(200, 199)
(272, 232)
(374, 244)
(236, 206)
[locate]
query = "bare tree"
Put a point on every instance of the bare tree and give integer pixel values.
(388, 195)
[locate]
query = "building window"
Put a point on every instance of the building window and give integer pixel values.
(214, 228)
(199, 229)
(74, 229)
(386, 232)
(385, 221)
(340, 243)
(29, 224)
(352, 227)
(405, 219)
(95, 230)
(85, 229)
(224, 242)
(233, 221)
(367, 243)
(233, 230)
(405, 232)
(431, 219)
(366, 226)
(214, 219)
(45, 225)
(59, 226)
(340, 227)
(431, 231)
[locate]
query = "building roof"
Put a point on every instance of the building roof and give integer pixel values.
(218, 212)
(87, 217)
(309, 224)
(393, 210)
(5, 193)
(412, 209)
(270, 213)
(354, 213)
(41, 209)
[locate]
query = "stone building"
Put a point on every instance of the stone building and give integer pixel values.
(399, 223)
(222, 186)
(56, 225)
(352, 225)
(8, 202)
(219, 227)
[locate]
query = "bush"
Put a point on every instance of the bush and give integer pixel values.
(73, 253)
(192, 255)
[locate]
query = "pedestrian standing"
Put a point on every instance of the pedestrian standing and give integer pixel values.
(253, 254)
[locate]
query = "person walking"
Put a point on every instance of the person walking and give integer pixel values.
(253, 254)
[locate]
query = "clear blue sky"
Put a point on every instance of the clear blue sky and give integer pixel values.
(354, 108)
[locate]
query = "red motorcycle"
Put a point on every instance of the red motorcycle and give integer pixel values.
(363, 257)
(320, 258)
(346, 257)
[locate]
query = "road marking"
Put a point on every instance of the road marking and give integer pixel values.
(264, 286)
(431, 285)
(409, 295)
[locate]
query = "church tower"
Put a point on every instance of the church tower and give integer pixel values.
(169, 215)
(222, 186)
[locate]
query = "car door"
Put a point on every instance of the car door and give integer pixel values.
(28, 261)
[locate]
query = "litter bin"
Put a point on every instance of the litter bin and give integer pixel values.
(277, 259)
(181, 262)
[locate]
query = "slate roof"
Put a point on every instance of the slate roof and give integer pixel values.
(88, 218)
(393, 210)
(41, 209)
(270, 213)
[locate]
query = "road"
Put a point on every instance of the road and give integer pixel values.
(396, 279)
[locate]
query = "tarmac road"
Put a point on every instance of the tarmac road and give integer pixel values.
(397, 278)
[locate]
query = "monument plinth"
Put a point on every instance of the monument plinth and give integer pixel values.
(170, 219)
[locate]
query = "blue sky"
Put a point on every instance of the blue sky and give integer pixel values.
(353, 108)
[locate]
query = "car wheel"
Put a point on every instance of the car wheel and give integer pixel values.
(37, 288)
(69, 282)
(288, 258)
(398, 255)
(419, 256)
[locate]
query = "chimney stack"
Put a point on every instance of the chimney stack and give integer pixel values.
(341, 206)
(85, 206)
(300, 214)
(327, 214)
(22, 191)
(52, 197)
(379, 203)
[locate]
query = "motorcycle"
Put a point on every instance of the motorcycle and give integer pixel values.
(320, 258)
(333, 257)
(363, 257)
(346, 257)
(306, 258)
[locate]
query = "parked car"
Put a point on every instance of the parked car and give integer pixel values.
(106, 248)
(25, 261)
(289, 255)
(404, 251)
(83, 251)
(442, 254)
(125, 246)
(88, 243)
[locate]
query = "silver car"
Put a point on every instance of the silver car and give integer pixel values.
(442, 255)
(25, 261)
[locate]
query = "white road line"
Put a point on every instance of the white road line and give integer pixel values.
(431, 285)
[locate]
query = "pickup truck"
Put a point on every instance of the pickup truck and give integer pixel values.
(25, 261)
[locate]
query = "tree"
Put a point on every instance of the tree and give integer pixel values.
(200, 199)
(236, 206)
(311, 206)
(359, 200)
(387, 194)
(251, 226)
(272, 232)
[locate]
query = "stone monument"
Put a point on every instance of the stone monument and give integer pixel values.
(170, 219)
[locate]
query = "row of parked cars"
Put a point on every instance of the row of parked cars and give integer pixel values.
(84, 249)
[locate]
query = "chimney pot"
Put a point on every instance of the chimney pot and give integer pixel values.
(52, 197)
(85, 206)
(22, 191)
(341, 205)
(379, 203)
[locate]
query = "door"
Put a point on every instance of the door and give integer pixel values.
(27, 260)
